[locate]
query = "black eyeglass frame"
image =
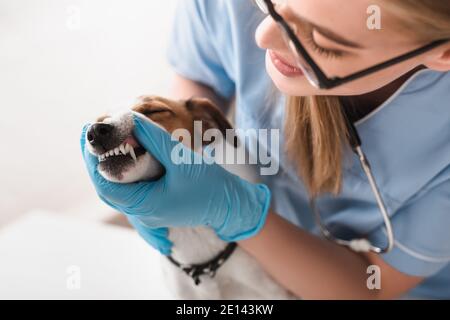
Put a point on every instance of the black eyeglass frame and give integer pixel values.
(323, 81)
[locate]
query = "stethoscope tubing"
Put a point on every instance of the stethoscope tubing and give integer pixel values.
(360, 245)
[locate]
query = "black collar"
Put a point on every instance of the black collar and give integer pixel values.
(207, 268)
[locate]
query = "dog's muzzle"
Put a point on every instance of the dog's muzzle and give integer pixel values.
(121, 158)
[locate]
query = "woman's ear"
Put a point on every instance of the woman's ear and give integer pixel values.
(439, 59)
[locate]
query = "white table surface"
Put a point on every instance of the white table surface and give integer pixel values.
(38, 251)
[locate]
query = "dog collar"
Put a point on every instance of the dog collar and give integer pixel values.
(207, 268)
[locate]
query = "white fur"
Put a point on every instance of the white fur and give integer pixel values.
(240, 277)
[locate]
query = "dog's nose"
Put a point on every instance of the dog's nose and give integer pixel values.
(99, 133)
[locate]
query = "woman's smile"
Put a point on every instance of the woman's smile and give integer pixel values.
(284, 67)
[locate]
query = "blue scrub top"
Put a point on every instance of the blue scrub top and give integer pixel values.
(407, 141)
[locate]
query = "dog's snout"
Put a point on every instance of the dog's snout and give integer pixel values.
(99, 134)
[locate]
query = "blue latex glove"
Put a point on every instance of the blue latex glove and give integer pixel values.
(188, 195)
(156, 237)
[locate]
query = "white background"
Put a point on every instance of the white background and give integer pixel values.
(55, 76)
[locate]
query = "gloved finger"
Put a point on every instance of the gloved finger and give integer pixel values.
(122, 197)
(158, 142)
(131, 199)
(83, 137)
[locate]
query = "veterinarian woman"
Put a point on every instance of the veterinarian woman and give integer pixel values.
(401, 111)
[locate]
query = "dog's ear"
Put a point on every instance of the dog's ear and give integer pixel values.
(211, 116)
(204, 110)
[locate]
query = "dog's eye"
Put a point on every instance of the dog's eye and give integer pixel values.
(153, 111)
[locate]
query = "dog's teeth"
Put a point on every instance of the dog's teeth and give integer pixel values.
(116, 151)
(127, 148)
(106, 155)
(132, 154)
(111, 152)
(122, 149)
(99, 158)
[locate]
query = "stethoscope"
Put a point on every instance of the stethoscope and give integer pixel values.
(359, 244)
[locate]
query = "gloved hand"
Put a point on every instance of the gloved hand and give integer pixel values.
(156, 237)
(188, 195)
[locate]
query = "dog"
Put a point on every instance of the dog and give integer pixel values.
(201, 265)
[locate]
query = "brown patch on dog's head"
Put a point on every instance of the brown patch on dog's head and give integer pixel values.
(174, 115)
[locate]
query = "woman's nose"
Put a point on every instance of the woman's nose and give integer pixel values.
(268, 35)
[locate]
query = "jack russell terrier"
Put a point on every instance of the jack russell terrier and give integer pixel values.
(201, 265)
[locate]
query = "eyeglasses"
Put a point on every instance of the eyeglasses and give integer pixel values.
(312, 71)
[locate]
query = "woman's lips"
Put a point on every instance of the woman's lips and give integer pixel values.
(284, 67)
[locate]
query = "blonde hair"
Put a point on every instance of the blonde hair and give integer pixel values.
(315, 129)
